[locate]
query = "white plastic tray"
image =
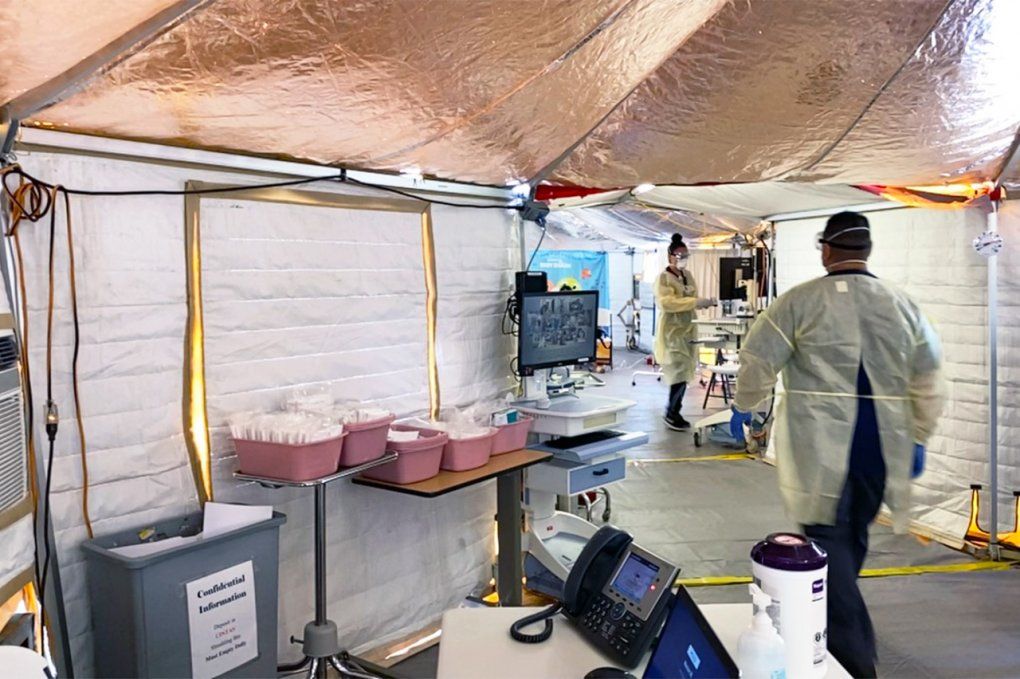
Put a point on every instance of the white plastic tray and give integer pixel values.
(570, 416)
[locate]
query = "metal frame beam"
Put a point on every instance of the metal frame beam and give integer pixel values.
(8, 135)
(69, 81)
(829, 211)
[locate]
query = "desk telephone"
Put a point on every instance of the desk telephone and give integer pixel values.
(616, 593)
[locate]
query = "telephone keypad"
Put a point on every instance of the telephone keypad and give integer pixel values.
(596, 615)
(615, 627)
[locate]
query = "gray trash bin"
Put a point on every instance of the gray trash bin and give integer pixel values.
(140, 605)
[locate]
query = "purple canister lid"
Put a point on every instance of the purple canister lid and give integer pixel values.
(789, 552)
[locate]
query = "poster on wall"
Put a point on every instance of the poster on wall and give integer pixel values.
(221, 621)
(575, 270)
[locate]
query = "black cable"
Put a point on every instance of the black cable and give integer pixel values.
(546, 615)
(511, 317)
(46, 526)
(433, 201)
(52, 418)
(535, 252)
(340, 177)
(177, 192)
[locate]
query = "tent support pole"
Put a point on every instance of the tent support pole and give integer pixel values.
(993, 388)
(8, 135)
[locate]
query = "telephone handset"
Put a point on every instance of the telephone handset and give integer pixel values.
(616, 593)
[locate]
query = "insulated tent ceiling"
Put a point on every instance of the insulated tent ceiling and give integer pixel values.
(711, 213)
(588, 92)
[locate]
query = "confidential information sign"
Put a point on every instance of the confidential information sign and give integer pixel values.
(221, 621)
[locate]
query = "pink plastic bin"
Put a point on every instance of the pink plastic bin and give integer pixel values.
(416, 460)
(366, 441)
(511, 437)
(462, 454)
(302, 462)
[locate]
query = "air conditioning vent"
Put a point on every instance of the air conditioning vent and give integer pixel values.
(13, 462)
(8, 352)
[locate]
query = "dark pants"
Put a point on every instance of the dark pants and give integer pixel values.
(851, 637)
(676, 400)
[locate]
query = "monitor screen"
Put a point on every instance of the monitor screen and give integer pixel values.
(688, 648)
(634, 577)
(557, 329)
(732, 270)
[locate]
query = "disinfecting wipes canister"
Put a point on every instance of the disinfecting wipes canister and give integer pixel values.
(793, 571)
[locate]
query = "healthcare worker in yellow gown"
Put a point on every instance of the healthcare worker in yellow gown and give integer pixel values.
(676, 294)
(861, 397)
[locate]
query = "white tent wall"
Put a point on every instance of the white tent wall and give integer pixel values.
(477, 253)
(928, 254)
(396, 562)
(129, 254)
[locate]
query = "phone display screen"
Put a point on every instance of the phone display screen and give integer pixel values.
(635, 577)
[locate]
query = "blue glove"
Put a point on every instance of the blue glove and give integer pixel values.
(737, 422)
(918, 467)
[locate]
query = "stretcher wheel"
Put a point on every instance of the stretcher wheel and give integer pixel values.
(605, 515)
(659, 378)
(633, 383)
(697, 439)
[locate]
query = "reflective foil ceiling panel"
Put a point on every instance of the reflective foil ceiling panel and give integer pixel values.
(640, 226)
(40, 39)
(486, 91)
(949, 115)
(623, 92)
(761, 90)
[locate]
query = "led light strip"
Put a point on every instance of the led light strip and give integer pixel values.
(196, 419)
(428, 253)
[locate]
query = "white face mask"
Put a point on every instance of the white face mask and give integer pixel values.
(680, 261)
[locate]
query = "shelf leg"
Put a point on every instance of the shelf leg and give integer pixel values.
(509, 517)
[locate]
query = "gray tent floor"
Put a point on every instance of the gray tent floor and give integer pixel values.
(705, 515)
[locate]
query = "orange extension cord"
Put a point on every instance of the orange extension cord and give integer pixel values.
(32, 201)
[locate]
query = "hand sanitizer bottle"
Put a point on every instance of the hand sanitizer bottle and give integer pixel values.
(761, 653)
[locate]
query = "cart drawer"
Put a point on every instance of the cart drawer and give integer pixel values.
(596, 475)
(570, 478)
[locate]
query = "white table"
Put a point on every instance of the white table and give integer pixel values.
(476, 643)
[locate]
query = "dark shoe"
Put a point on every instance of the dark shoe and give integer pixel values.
(679, 424)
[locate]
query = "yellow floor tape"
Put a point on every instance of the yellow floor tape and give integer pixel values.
(718, 580)
(703, 458)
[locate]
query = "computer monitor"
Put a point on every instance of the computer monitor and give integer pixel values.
(732, 270)
(556, 329)
(688, 647)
